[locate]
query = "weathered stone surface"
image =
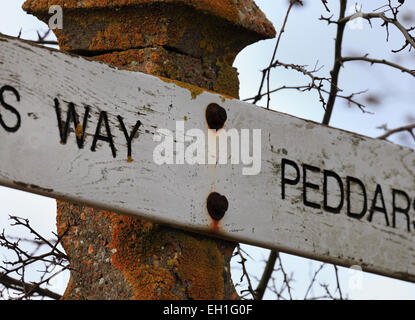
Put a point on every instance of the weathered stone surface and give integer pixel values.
(221, 78)
(119, 257)
(213, 32)
(244, 13)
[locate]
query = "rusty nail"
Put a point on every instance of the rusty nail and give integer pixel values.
(217, 205)
(216, 116)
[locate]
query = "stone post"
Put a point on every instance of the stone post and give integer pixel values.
(193, 41)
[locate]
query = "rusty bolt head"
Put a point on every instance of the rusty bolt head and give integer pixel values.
(217, 205)
(216, 116)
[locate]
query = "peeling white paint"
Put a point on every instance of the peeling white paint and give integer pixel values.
(33, 159)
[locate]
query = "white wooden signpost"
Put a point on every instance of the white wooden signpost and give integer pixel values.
(83, 131)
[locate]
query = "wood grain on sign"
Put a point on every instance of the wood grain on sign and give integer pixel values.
(321, 192)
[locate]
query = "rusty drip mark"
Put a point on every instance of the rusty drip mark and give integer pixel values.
(216, 116)
(217, 205)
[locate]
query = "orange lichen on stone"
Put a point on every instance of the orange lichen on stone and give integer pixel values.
(131, 240)
(121, 34)
(226, 81)
(160, 63)
(244, 13)
(149, 255)
(203, 278)
(194, 90)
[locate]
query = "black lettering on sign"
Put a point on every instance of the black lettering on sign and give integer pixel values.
(284, 180)
(401, 202)
(396, 209)
(374, 207)
(413, 222)
(334, 175)
(71, 115)
(129, 137)
(362, 213)
(108, 138)
(308, 185)
(10, 108)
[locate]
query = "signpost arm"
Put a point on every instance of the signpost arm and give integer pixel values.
(121, 257)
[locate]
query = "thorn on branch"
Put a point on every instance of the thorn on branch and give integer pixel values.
(325, 4)
(53, 260)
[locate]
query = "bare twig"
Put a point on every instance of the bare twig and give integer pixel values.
(20, 286)
(325, 4)
(313, 280)
(41, 38)
(286, 279)
(409, 39)
(379, 61)
(54, 260)
(317, 84)
(245, 273)
(337, 65)
(338, 289)
(266, 72)
(269, 269)
(408, 128)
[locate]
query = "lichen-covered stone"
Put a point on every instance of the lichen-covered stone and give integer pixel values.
(243, 13)
(119, 257)
(176, 66)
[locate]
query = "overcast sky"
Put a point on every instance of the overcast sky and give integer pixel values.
(307, 41)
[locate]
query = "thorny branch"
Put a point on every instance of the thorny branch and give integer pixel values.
(286, 279)
(277, 280)
(339, 60)
(240, 252)
(313, 280)
(380, 61)
(20, 286)
(318, 83)
(336, 66)
(266, 276)
(328, 96)
(41, 39)
(408, 128)
(266, 72)
(325, 4)
(409, 39)
(13, 282)
(258, 294)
